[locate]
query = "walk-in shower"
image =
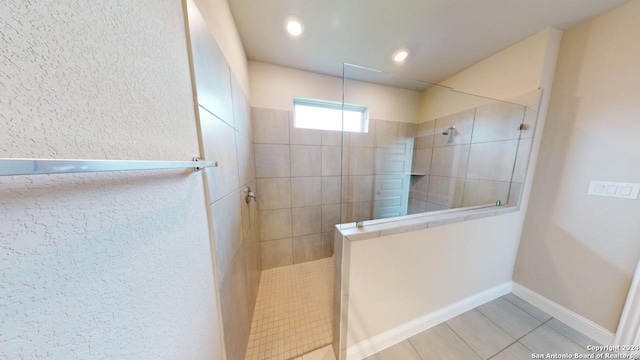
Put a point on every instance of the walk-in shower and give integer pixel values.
(429, 147)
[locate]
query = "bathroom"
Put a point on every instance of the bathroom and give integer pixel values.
(193, 180)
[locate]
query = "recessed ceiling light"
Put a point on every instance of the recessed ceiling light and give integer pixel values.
(400, 55)
(294, 27)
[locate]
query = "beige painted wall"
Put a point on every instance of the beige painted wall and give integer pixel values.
(398, 278)
(578, 250)
(500, 76)
(106, 265)
(218, 17)
(487, 260)
(274, 87)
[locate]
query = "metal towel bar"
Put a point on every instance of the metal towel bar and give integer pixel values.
(10, 167)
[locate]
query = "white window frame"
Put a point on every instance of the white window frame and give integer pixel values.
(333, 105)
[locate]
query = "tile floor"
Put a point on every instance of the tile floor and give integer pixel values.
(325, 353)
(507, 328)
(293, 312)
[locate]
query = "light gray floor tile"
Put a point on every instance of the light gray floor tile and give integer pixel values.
(530, 309)
(571, 333)
(513, 352)
(510, 318)
(482, 335)
(441, 343)
(545, 340)
(402, 350)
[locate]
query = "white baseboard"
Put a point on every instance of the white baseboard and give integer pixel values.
(407, 330)
(578, 322)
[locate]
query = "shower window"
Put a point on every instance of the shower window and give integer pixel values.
(330, 115)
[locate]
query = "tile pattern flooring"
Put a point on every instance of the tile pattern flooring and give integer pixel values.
(293, 312)
(507, 328)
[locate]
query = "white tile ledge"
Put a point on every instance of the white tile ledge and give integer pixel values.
(402, 224)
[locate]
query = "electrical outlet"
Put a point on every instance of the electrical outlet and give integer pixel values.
(614, 189)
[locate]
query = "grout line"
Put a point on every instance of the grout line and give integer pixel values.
(518, 340)
(414, 348)
(461, 339)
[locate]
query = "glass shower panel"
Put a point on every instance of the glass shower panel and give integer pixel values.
(428, 147)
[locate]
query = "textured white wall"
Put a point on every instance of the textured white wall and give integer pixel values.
(101, 266)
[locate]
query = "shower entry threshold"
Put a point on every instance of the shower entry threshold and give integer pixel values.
(293, 311)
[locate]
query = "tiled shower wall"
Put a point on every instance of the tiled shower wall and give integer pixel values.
(225, 126)
(483, 162)
(298, 175)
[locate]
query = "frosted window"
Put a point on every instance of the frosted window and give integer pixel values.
(329, 115)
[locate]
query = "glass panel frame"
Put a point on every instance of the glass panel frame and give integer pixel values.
(481, 162)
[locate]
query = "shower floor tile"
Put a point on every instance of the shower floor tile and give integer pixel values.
(293, 311)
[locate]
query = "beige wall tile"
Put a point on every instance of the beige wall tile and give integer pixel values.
(330, 190)
(331, 160)
(306, 220)
(419, 187)
(241, 109)
(463, 122)
(219, 145)
(416, 206)
(227, 230)
(274, 193)
(253, 204)
(275, 224)
(425, 137)
(306, 160)
(246, 159)
(272, 160)
(497, 121)
(234, 301)
(327, 243)
(335, 138)
(450, 161)
(253, 266)
(481, 192)
(358, 211)
(244, 211)
(307, 248)
(436, 207)
(421, 162)
(276, 253)
(407, 130)
(360, 188)
(306, 191)
(330, 217)
(270, 126)
(386, 134)
(213, 80)
(492, 161)
(360, 161)
(445, 191)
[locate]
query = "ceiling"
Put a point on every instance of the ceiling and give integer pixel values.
(444, 36)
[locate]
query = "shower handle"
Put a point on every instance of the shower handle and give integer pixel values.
(250, 194)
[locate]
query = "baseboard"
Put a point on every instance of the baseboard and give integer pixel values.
(411, 328)
(578, 322)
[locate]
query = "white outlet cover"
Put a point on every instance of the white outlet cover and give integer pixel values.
(614, 189)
